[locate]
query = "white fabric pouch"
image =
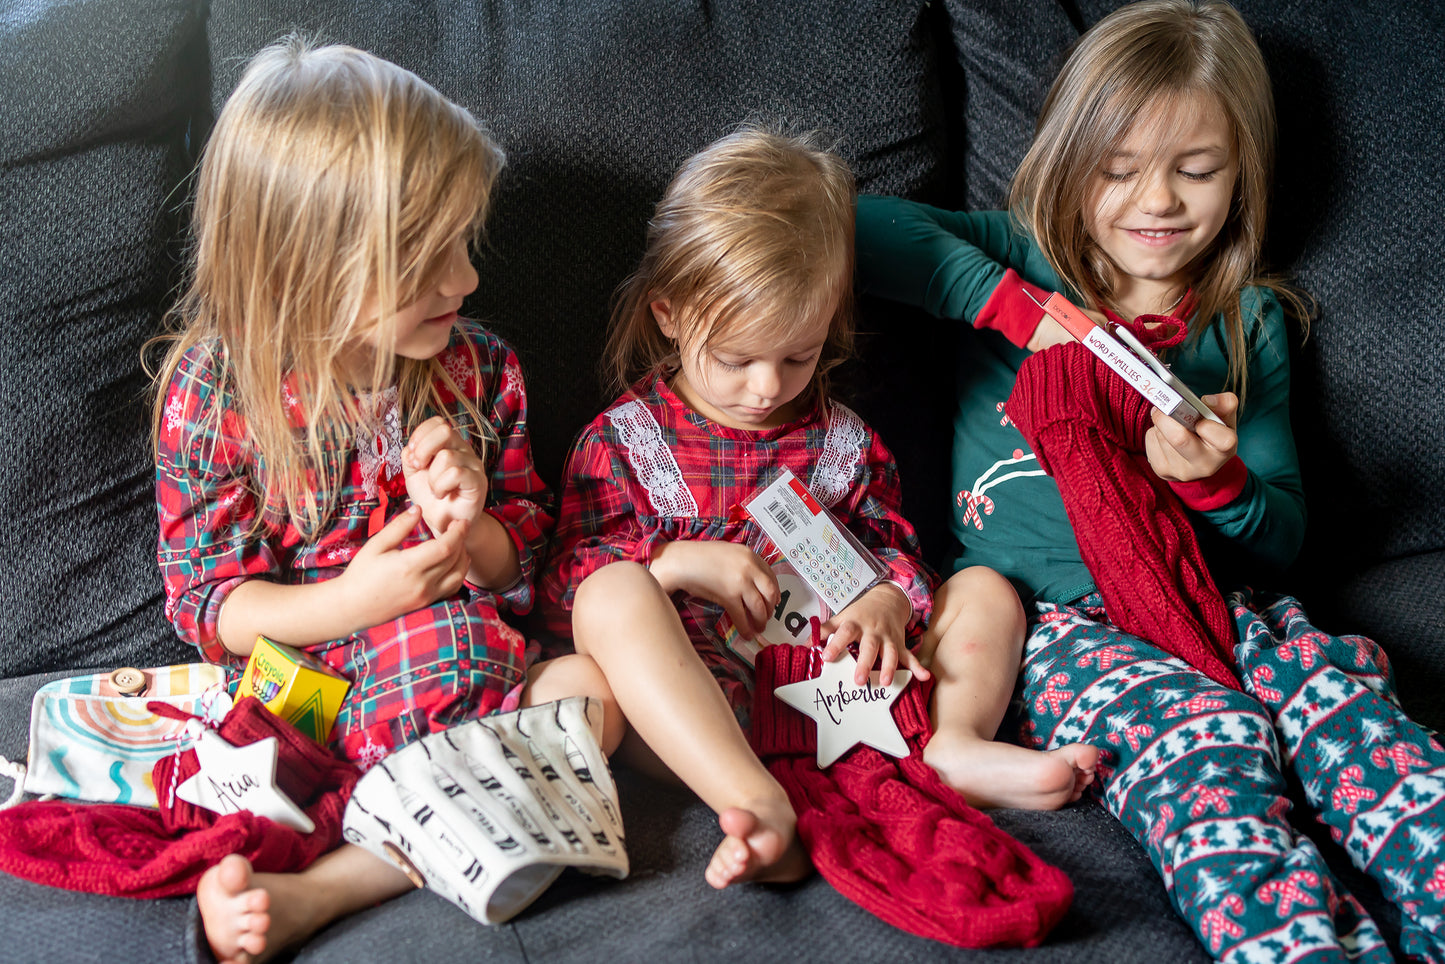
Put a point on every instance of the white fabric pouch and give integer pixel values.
(490, 812)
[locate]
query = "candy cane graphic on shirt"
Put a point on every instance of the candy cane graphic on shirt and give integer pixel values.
(972, 500)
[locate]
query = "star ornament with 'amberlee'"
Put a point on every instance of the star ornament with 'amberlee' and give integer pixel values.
(848, 714)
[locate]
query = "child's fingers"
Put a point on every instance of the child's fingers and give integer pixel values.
(840, 639)
(1220, 438)
(908, 659)
(1225, 405)
(868, 653)
(394, 533)
(429, 438)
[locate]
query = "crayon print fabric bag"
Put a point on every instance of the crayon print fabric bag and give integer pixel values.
(94, 738)
(488, 813)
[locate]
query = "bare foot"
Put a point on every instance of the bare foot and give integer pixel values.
(236, 915)
(991, 774)
(761, 845)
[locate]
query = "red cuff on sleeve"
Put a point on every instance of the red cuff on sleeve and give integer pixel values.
(1220, 489)
(1010, 311)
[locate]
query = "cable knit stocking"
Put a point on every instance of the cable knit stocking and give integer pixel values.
(891, 837)
(129, 851)
(1086, 425)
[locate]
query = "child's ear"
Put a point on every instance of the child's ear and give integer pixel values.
(662, 314)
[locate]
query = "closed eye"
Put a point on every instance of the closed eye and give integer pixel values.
(1199, 175)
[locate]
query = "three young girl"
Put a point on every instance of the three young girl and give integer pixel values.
(343, 464)
(1143, 199)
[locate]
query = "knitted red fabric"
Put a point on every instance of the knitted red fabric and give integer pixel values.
(1086, 425)
(891, 837)
(126, 851)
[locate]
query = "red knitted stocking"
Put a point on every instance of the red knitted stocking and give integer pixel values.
(1087, 425)
(891, 837)
(128, 851)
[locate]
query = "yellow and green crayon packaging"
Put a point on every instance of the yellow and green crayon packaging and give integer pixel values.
(296, 686)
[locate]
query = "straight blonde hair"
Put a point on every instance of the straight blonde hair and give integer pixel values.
(331, 177)
(1139, 58)
(756, 229)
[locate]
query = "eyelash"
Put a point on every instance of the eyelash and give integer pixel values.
(728, 366)
(1196, 176)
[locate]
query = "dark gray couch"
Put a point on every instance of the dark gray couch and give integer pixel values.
(105, 104)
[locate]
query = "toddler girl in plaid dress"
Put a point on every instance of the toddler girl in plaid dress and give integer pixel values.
(342, 462)
(725, 334)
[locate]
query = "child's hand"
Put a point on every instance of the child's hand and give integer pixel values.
(1050, 332)
(1178, 455)
(384, 581)
(733, 576)
(444, 476)
(876, 622)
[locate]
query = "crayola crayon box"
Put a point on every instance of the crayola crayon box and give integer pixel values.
(294, 685)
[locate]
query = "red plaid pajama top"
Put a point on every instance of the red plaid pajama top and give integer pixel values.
(650, 470)
(431, 668)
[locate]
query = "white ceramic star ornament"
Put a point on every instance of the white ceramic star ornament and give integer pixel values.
(848, 714)
(235, 778)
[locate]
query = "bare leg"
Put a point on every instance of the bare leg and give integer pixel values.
(251, 917)
(975, 643)
(625, 621)
(577, 675)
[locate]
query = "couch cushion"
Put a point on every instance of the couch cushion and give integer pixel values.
(94, 123)
(596, 108)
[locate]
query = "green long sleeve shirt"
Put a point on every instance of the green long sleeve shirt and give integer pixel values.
(1007, 514)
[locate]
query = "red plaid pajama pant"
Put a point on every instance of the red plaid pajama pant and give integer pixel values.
(453, 661)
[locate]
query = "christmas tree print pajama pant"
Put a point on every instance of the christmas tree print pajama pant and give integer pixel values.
(1194, 772)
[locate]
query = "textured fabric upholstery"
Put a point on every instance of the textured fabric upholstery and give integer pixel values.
(107, 102)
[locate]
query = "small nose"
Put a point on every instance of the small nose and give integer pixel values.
(1156, 195)
(765, 381)
(459, 277)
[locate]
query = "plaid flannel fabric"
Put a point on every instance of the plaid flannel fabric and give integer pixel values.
(454, 659)
(617, 504)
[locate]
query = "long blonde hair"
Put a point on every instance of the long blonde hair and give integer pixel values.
(331, 177)
(1139, 56)
(756, 227)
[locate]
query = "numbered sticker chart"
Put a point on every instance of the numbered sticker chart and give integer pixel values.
(812, 542)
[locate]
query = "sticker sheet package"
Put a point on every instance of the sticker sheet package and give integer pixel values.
(296, 686)
(827, 556)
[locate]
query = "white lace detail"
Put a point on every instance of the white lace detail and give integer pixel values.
(842, 451)
(652, 461)
(381, 449)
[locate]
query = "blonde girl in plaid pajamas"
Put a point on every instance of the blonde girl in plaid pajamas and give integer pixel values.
(342, 462)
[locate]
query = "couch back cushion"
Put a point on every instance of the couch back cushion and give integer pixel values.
(93, 129)
(597, 104)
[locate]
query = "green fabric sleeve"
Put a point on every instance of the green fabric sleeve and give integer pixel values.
(946, 262)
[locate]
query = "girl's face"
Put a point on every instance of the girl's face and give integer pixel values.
(747, 377)
(424, 327)
(1158, 202)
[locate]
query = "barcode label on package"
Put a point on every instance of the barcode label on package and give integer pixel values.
(828, 558)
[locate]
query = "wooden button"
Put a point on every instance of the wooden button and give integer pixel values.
(129, 681)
